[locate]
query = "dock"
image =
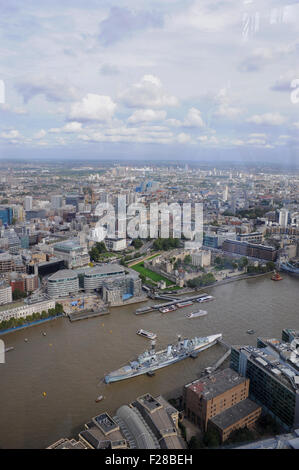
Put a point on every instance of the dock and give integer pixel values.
(210, 370)
(151, 308)
(75, 316)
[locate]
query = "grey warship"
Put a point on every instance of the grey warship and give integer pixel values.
(151, 360)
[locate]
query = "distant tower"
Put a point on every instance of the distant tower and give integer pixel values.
(28, 203)
(283, 217)
(225, 194)
(56, 201)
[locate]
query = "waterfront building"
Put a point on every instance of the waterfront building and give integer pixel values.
(116, 291)
(274, 380)
(103, 432)
(63, 283)
(207, 397)
(94, 278)
(24, 310)
(252, 250)
(243, 414)
(162, 419)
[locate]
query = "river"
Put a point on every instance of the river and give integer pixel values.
(70, 361)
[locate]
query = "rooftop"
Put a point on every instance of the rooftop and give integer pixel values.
(216, 384)
(234, 414)
(63, 274)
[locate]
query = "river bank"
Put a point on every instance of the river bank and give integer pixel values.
(27, 325)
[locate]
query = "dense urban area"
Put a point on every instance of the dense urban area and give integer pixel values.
(53, 266)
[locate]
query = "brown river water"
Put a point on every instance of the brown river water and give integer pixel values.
(70, 361)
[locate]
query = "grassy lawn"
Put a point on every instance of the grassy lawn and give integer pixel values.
(139, 267)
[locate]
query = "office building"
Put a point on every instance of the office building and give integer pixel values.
(6, 215)
(28, 203)
(212, 395)
(94, 278)
(283, 217)
(243, 414)
(63, 283)
(162, 419)
(103, 432)
(25, 310)
(274, 377)
(56, 201)
(252, 250)
(72, 253)
(5, 293)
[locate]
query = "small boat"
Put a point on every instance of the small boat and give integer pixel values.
(184, 304)
(250, 332)
(100, 398)
(171, 308)
(26, 340)
(206, 298)
(146, 334)
(276, 277)
(11, 348)
(200, 313)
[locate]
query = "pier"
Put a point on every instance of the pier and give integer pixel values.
(75, 316)
(150, 308)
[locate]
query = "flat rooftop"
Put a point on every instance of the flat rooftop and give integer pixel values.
(104, 269)
(63, 274)
(216, 384)
(234, 414)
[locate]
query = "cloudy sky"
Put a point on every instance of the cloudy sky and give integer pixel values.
(188, 79)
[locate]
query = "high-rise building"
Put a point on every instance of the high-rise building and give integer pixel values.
(6, 215)
(28, 203)
(274, 377)
(283, 217)
(56, 201)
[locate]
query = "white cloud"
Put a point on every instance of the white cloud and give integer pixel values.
(183, 138)
(12, 134)
(40, 135)
(224, 107)
(193, 118)
(73, 126)
(270, 119)
(147, 115)
(93, 108)
(148, 93)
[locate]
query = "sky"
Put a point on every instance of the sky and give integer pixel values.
(149, 79)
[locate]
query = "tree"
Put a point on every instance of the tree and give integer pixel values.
(18, 294)
(211, 438)
(137, 243)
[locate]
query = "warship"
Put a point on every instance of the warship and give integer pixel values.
(152, 360)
